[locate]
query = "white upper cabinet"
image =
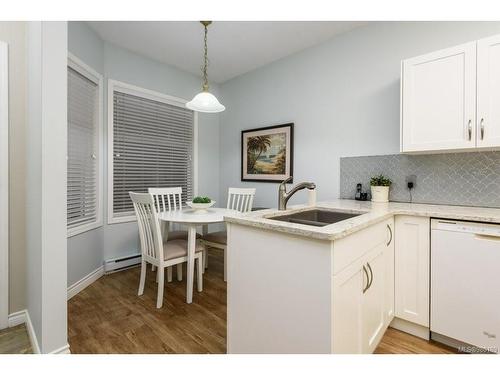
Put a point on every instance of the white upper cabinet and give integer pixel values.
(438, 98)
(488, 92)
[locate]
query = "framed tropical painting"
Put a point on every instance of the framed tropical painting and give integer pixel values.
(267, 153)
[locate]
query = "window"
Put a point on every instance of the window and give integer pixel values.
(151, 144)
(84, 148)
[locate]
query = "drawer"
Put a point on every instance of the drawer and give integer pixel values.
(348, 249)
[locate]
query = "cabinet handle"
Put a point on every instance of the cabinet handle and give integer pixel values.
(469, 129)
(365, 288)
(371, 275)
(482, 128)
(390, 231)
(490, 335)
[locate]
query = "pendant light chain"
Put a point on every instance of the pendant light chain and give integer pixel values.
(205, 75)
(205, 101)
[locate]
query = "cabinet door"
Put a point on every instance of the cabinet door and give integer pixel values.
(389, 271)
(438, 99)
(488, 92)
(412, 252)
(374, 301)
(347, 304)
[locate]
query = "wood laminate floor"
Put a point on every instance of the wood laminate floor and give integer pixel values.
(15, 340)
(397, 342)
(109, 317)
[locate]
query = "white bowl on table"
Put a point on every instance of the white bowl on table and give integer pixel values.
(200, 208)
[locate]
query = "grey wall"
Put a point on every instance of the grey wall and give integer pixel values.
(343, 97)
(116, 240)
(14, 33)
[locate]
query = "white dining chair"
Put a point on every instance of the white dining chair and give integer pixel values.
(156, 250)
(166, 200)
(240, 199)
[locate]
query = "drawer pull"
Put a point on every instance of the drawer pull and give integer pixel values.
(371, 276)
(390, 231)
(365, 288)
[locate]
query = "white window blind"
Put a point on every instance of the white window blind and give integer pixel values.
(152, 147)
(83, 151)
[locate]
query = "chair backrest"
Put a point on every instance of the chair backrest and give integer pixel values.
(167, 199)
(240, 199)
(149, 228)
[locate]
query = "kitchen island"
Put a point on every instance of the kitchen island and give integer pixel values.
(295, 288)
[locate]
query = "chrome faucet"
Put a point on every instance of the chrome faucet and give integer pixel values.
(283, 196)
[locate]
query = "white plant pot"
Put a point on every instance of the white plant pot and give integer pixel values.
(380, 194)
(200, 208)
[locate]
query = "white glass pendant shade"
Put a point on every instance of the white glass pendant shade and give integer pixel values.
(205, 102)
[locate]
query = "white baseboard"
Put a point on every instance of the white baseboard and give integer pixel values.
(17, 318)
(62, 350)
(411, 328)
(80, 285)
(23, 316)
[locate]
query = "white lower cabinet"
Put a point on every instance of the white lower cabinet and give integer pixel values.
(374, 306)
(363, 293)
(412, 257)
(348, 310)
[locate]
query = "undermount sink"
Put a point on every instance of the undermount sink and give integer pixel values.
(314, 217)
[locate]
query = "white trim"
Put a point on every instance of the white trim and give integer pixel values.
(62, 350)
(411, 328)
(31, 333)
(114, 85)
(4, 185)
(21, 317)
(91, 74)
(17, 318)
(80, 285)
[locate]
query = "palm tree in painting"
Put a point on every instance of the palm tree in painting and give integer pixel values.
(255, 147)
(280, 164)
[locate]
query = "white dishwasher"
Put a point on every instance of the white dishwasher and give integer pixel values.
(465, 282)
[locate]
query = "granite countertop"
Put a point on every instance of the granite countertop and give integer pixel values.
(371, 213)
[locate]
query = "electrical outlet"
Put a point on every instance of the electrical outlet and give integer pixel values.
(411, 181)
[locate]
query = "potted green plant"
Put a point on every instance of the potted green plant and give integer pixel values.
(380, 188)
(201, 204)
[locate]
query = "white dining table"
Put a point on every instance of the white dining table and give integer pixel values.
(193, 219)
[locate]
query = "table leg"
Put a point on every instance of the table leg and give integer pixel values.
(190, 262)
(205, 254)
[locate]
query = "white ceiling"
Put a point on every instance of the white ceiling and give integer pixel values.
(234, 47)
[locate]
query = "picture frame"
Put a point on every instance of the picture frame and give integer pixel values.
(267, 153)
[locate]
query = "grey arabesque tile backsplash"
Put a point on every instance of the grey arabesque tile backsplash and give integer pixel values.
(466, 179)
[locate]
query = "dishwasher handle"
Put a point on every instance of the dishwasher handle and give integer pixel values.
(477, 229)
(487, 237)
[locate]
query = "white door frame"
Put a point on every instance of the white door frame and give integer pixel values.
(4, 185)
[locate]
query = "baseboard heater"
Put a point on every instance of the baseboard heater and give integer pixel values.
(119, 264)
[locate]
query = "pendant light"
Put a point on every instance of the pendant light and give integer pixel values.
(204, 101)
